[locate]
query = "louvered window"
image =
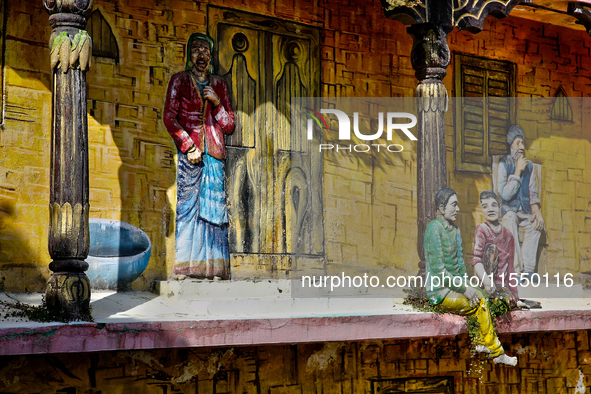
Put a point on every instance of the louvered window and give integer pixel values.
(484, 110)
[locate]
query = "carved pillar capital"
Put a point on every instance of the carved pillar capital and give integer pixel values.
(69, 43)
(77, 7)
(430, 54)
(68, 15)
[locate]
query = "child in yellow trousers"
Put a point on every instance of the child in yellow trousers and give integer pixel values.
(457, 303)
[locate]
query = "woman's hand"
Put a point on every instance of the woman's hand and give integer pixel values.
(194, 155)
(211, 95)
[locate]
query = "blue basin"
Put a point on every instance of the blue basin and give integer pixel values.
(119, 253)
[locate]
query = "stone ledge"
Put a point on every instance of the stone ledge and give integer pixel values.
(39, 338)
(241, 313)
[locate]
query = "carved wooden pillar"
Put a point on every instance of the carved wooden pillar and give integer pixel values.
(429, 57)
(68, 289)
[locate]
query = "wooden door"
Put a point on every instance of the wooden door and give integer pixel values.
(273, 175)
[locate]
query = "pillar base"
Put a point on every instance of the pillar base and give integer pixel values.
(68, 296)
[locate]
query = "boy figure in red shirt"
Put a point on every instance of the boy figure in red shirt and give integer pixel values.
(494, 249)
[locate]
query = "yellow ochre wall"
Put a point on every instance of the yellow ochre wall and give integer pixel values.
(370, 206)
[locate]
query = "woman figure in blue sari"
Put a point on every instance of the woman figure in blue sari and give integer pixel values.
(197, 114)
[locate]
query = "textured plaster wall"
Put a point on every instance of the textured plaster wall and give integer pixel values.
(558, 362)
(369, 204)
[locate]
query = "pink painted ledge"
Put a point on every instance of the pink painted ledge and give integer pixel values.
(94, 337)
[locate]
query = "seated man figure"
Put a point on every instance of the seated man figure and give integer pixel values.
(444, 260)
(520, 202)
(494, 252)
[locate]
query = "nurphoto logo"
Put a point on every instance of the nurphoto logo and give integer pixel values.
(392, 120)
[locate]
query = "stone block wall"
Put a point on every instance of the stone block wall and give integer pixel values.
(556, 362)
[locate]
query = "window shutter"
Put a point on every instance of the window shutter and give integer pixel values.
(483, 110)
(474, 89)
(499, 111)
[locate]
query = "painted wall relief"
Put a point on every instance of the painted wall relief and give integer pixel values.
(494, 255)
(197, 113)
(520, 202)
(272, 217)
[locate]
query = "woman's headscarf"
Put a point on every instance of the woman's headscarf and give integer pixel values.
(202, 37)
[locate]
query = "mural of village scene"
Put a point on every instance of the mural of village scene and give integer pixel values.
(161, 143)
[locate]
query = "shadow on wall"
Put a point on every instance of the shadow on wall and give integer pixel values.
(130, 154)
(131, 169)
(14, 248)
(131, 159)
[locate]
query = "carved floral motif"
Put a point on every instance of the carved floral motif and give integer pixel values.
(392, 4)
(69, 53)
(465, 14)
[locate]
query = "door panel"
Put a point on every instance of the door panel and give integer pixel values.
(273, 176)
